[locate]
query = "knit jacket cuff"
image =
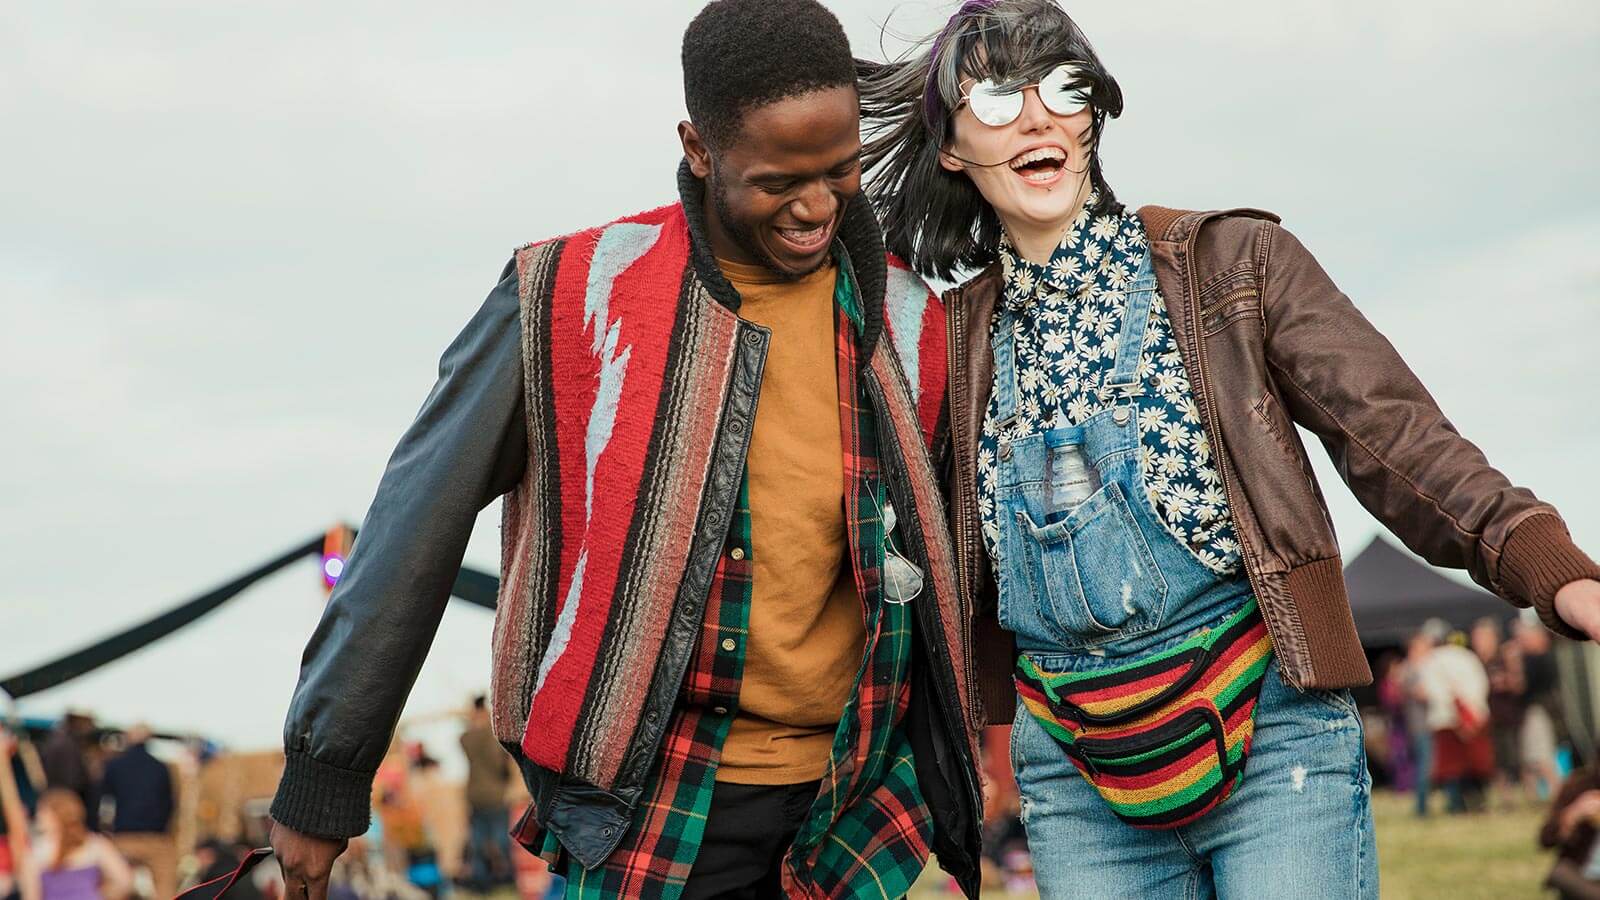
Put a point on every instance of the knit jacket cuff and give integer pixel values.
(1540, 559)
(322, 800)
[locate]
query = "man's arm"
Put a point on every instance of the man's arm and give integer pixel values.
(1401, 457)
(465, 448)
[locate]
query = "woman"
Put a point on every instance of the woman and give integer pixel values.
(73, 863)
(1131, 498)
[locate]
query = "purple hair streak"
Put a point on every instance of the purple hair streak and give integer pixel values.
(930, 93)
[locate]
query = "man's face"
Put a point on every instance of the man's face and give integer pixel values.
(779, 189)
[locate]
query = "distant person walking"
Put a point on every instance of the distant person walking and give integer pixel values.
(1543, 723)
(72, 862)
(1399, 740)
(1508, 706)
(489, 823)
(65, 760)
(1456, 688)
(1413, 681)
(141, 787)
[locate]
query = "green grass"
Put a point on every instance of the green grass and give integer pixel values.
(1493, 856)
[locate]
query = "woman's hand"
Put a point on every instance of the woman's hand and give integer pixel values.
(1578, 605)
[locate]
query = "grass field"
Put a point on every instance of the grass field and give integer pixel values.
(1483, 857)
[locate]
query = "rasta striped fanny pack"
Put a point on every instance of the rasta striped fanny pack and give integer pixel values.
(1164, 739)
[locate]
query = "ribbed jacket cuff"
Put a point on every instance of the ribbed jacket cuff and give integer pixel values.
(1540, 559)
(318, 799)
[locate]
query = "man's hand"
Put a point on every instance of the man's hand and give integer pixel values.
(1578, 605)
(306, 861)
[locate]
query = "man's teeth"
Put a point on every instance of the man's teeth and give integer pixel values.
(808, 236)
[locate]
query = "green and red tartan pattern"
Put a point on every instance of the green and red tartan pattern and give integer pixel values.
(869, 831)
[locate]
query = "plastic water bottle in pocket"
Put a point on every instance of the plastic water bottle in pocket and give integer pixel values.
(1069, 475)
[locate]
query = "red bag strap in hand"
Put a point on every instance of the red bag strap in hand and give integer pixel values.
(219, 886)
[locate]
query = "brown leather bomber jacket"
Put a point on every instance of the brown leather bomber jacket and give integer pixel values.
(1270, 342)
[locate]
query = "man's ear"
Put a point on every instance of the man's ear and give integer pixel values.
(695, 150)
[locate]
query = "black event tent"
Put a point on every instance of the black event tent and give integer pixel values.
(1392, 593)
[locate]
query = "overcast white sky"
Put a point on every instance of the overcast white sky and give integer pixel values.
(235, 237)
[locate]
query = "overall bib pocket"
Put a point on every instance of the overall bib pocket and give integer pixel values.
(1092, 571)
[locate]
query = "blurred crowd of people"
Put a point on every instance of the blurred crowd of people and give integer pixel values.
(89, 814)
(1471, 716)
(1471, 719)
(432, 837)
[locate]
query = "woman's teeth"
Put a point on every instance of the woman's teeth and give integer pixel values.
(1040, 164)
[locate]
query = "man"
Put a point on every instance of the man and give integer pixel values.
(1542, 723)
(730, 657)
(65, 759)
(488, 775)
(141, 787)
(1508, 704)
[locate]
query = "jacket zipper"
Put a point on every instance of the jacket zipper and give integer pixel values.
(968, 585)
(1197, 349)
(958, 499)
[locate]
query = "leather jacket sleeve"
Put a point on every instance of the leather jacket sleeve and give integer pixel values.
(465, 448)
(1401, 457)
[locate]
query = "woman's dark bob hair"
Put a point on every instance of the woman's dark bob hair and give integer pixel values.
(933, 218)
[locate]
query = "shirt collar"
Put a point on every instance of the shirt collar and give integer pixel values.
(1071, 267)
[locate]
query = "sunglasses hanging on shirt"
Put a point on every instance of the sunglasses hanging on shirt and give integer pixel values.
(1063, 90)
(901, 579)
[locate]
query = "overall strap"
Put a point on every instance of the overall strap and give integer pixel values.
(1005, 366)
(1123, 382)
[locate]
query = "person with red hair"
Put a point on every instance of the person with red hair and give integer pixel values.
(70, 861)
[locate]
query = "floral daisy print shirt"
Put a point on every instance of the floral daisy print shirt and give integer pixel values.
(1066, 318)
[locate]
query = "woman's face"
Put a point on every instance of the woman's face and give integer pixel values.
(1043, 162)
(48, 823)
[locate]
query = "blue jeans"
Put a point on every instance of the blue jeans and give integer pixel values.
(1422, 754)
(489, 846)
(1299, 826)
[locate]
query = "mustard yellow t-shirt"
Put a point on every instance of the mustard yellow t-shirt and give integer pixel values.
(807, 634)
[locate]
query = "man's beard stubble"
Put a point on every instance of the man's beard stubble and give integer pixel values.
(745, 237)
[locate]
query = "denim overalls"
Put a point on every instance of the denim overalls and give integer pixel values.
(1093, 579)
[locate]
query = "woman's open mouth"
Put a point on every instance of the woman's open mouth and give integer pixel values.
(1041, 166)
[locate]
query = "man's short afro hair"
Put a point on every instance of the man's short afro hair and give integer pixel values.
(741, 54)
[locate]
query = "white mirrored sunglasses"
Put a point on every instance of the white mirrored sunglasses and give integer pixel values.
(1062, 90)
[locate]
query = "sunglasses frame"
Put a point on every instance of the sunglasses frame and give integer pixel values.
(892, 554)
(1074, 71)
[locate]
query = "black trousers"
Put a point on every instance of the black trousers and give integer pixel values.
(748, 830)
